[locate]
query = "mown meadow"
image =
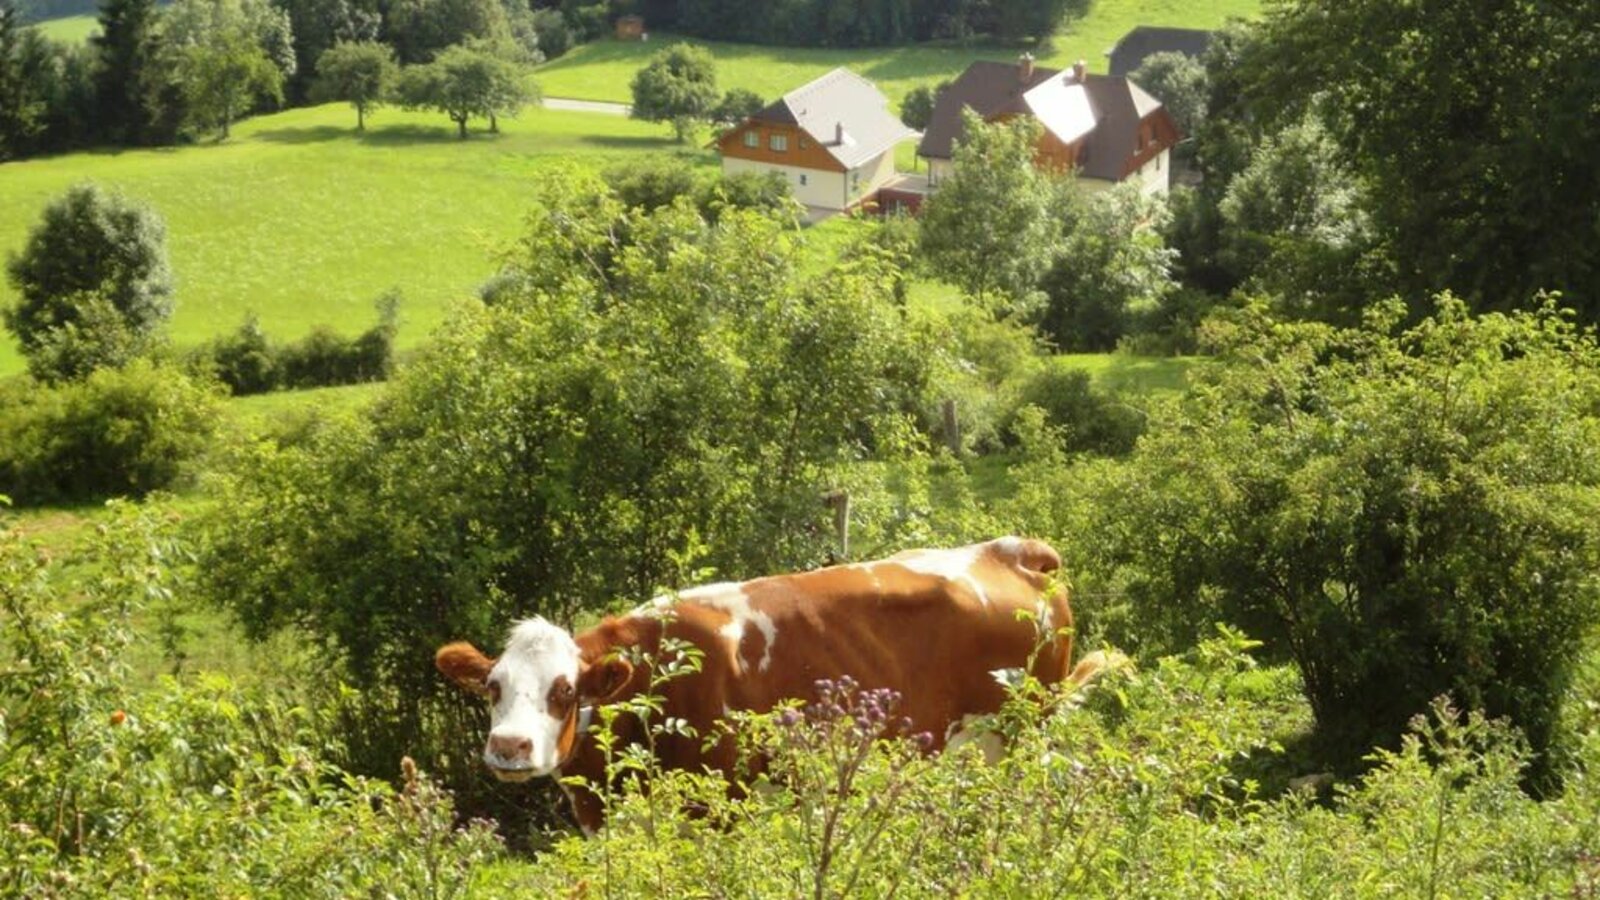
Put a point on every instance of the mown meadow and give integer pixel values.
(303, 222)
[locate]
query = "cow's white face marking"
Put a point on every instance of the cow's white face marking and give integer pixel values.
(731, 599)
(951, 565)
(539, 658)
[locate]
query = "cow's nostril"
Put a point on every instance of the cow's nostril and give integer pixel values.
(511, 748)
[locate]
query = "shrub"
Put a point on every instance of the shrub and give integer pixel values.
(96, 265)
(187, 788)
(119, 432)
(1136, 786)
(1403, 514)
(555, 37)
(245, 361)
(248, 363)
(1090, 420)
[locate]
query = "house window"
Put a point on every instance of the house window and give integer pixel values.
(802, 179)
(779, 143)
(752, 138)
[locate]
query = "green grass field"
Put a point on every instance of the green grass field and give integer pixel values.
(70, 30)
(304, 222)
(603, 70)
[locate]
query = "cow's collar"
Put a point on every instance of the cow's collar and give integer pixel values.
(585, 718)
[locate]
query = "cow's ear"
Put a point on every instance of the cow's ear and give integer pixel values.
(465, 665)
(603, 681)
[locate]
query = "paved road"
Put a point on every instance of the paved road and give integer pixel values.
(588, 106)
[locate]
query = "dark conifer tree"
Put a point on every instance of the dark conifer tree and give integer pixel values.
(128, 83)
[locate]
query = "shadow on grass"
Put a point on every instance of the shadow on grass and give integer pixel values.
(633, 142)
(390, 136)
(1126, 372)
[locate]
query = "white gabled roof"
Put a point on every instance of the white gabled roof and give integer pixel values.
(1063, 106)
(845, 114)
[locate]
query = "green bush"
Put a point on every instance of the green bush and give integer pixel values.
(119, 432)
(93, 282)
(1137, 788)
(249, 363)
(186, 789)
(1403, 514)
(1090, 420)
(244, 360)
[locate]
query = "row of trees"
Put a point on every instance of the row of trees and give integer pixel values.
(860, 23)
(150, 76)
(160, 74)
(479, 79)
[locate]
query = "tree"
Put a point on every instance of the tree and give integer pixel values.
(1474, 124)
(224, 75)
(189, 23)
(128, 82)
(1294, 226)
(362, 74)
(991, 227)
(737, 105)
(1402, 514)
(317, 25)
(916, 110)
(465, 82)
(92, 254)
(21, 109)
(1112, 270)
(1181, 84)
(679, 85)
(421, 30)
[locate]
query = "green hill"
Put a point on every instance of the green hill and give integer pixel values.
(304, 222)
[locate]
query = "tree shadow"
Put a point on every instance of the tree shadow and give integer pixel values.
(389, 136)
(631, 142)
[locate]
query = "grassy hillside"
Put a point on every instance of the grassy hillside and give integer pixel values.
(304, 222)
(603, 70)
(70, 30)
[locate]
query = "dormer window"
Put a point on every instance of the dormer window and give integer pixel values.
(779, 143)
(752, 138)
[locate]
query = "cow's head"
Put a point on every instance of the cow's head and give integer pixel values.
(537, 692)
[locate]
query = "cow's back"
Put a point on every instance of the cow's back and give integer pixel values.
(931, 624)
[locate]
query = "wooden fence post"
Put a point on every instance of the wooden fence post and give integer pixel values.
(839, 502)
(952, 428)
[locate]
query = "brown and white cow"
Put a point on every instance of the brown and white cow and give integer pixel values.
(931, 624)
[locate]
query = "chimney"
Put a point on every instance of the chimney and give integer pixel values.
(1025, 68)
(838, 133)
(1080, 71)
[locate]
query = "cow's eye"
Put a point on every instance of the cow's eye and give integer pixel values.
(564, 692)
(494, 691)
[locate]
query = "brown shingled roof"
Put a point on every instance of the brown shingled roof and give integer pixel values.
(996, 89)
(990, 89)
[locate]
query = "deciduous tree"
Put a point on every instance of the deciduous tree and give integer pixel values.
(679, 86)
(362, 74)
(465, 82)
(990, 229)
(95, 259)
